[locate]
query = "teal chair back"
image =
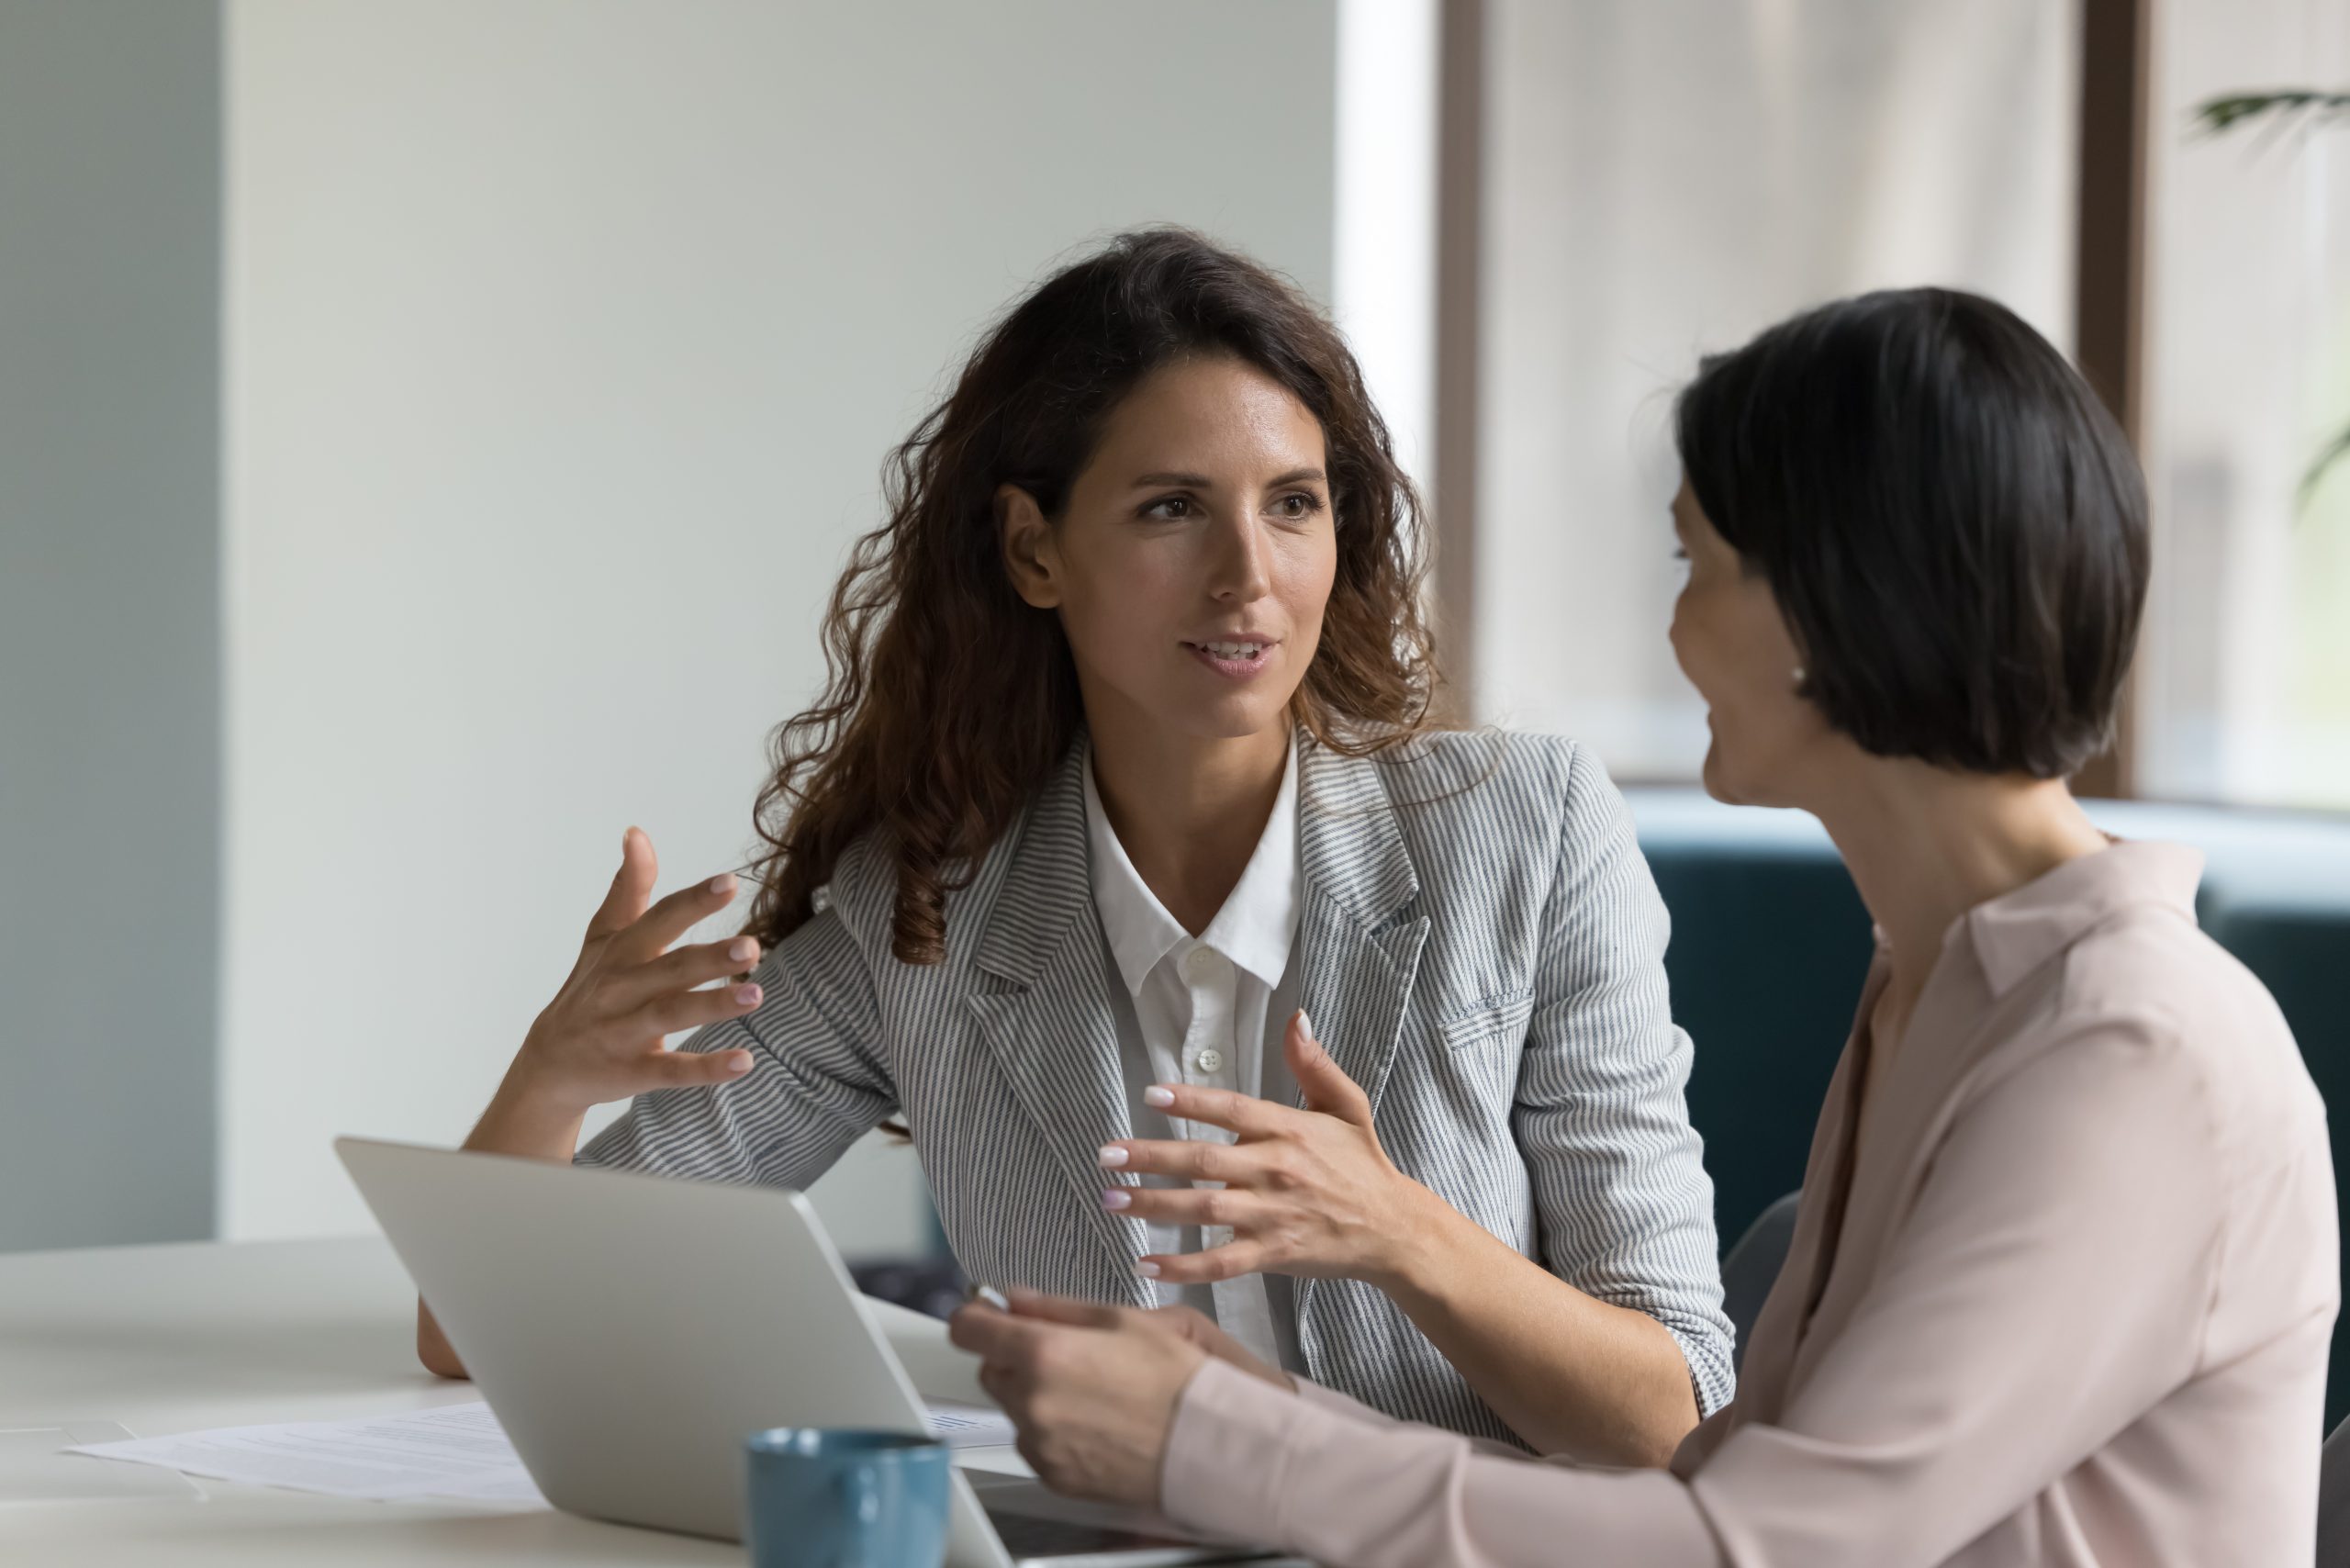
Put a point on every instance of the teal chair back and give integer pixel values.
(1769, 943)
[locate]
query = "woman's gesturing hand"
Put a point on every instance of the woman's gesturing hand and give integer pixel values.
(1092, 1389)
(1305, 1192)
(600, 1038)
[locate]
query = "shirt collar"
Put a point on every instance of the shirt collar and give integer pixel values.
(1256, 928)
(2016, 933)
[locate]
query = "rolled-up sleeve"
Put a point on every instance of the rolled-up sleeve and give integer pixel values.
(1969, 1380)
(816, 1082)
(1625, 1205)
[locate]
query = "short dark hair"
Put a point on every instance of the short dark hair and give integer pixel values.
(1950, 522)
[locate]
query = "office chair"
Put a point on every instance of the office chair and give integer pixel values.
(1752, 1267)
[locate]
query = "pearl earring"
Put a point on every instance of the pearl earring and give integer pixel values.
(1799, 678)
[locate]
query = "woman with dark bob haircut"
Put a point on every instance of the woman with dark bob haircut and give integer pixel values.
(1125, 769)
(2064, 1266)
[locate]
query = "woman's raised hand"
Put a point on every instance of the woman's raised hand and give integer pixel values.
(1306, 1191)
(600, 1038)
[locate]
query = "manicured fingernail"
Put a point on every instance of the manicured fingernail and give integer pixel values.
(742, 948)
(748, 995)
(738, 1065)
(1158, 1094)
(723, 883)
(1305, 1024)
(1112, 1157)
(1116, 1198)
(1147, 1270)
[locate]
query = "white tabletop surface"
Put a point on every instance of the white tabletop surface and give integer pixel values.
(162, 1339)
(176, 1339)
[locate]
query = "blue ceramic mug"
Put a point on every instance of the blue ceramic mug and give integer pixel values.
(834, 1497)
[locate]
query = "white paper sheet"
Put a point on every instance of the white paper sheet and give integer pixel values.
(36, 1466)
(450, 1450)
(969, 1426)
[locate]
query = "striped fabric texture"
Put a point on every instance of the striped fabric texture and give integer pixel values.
(1482, 949)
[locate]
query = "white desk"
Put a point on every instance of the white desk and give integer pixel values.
(175, 1339)
(169, 1339)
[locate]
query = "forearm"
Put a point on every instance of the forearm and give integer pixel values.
(1572, 1375)
(518, 1122)
(1245, 1462)
(524, 1120)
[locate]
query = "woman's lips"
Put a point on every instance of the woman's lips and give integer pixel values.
(1232, 667)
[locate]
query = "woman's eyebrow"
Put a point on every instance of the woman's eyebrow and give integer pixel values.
(1202, 482)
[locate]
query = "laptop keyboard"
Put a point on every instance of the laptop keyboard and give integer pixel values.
(1027, 1535)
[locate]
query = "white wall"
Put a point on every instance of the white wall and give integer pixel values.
(565, 339)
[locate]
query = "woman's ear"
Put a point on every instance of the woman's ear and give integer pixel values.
(1031, 552)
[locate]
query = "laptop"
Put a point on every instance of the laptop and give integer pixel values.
(629, 1330)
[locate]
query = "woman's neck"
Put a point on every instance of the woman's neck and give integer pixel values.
(1925, 845)
(1188, 811)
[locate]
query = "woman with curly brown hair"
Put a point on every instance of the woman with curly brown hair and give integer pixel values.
(1125, 768)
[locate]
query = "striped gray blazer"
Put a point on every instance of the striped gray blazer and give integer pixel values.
(1483, 950)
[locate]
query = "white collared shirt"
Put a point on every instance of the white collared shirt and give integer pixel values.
(1207, 1010)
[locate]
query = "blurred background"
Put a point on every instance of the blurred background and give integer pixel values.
(428, 431)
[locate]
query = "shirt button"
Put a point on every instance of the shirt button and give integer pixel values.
(1200, 963)
(1209, 1060)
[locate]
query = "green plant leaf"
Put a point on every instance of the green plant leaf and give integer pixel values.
(2281, 109)
(2334, 452)
(2231, 109)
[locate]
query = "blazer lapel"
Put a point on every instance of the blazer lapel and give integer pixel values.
(1052, 1033)
(1358, 954)
(1358, 959)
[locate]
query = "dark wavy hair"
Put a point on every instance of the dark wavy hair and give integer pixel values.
(950, 700)
(1954, 526)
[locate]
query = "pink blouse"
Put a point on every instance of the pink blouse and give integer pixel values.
(2065, 1302)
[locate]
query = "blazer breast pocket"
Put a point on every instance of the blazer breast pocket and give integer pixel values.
(1496, 1017)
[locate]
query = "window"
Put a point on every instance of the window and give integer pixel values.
(2244, 671)
(1664, 180)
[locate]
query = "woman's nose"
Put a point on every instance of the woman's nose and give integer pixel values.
(1238, 573)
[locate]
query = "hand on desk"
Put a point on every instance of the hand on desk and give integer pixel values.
(1305, 1191)
(1094, 1388)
